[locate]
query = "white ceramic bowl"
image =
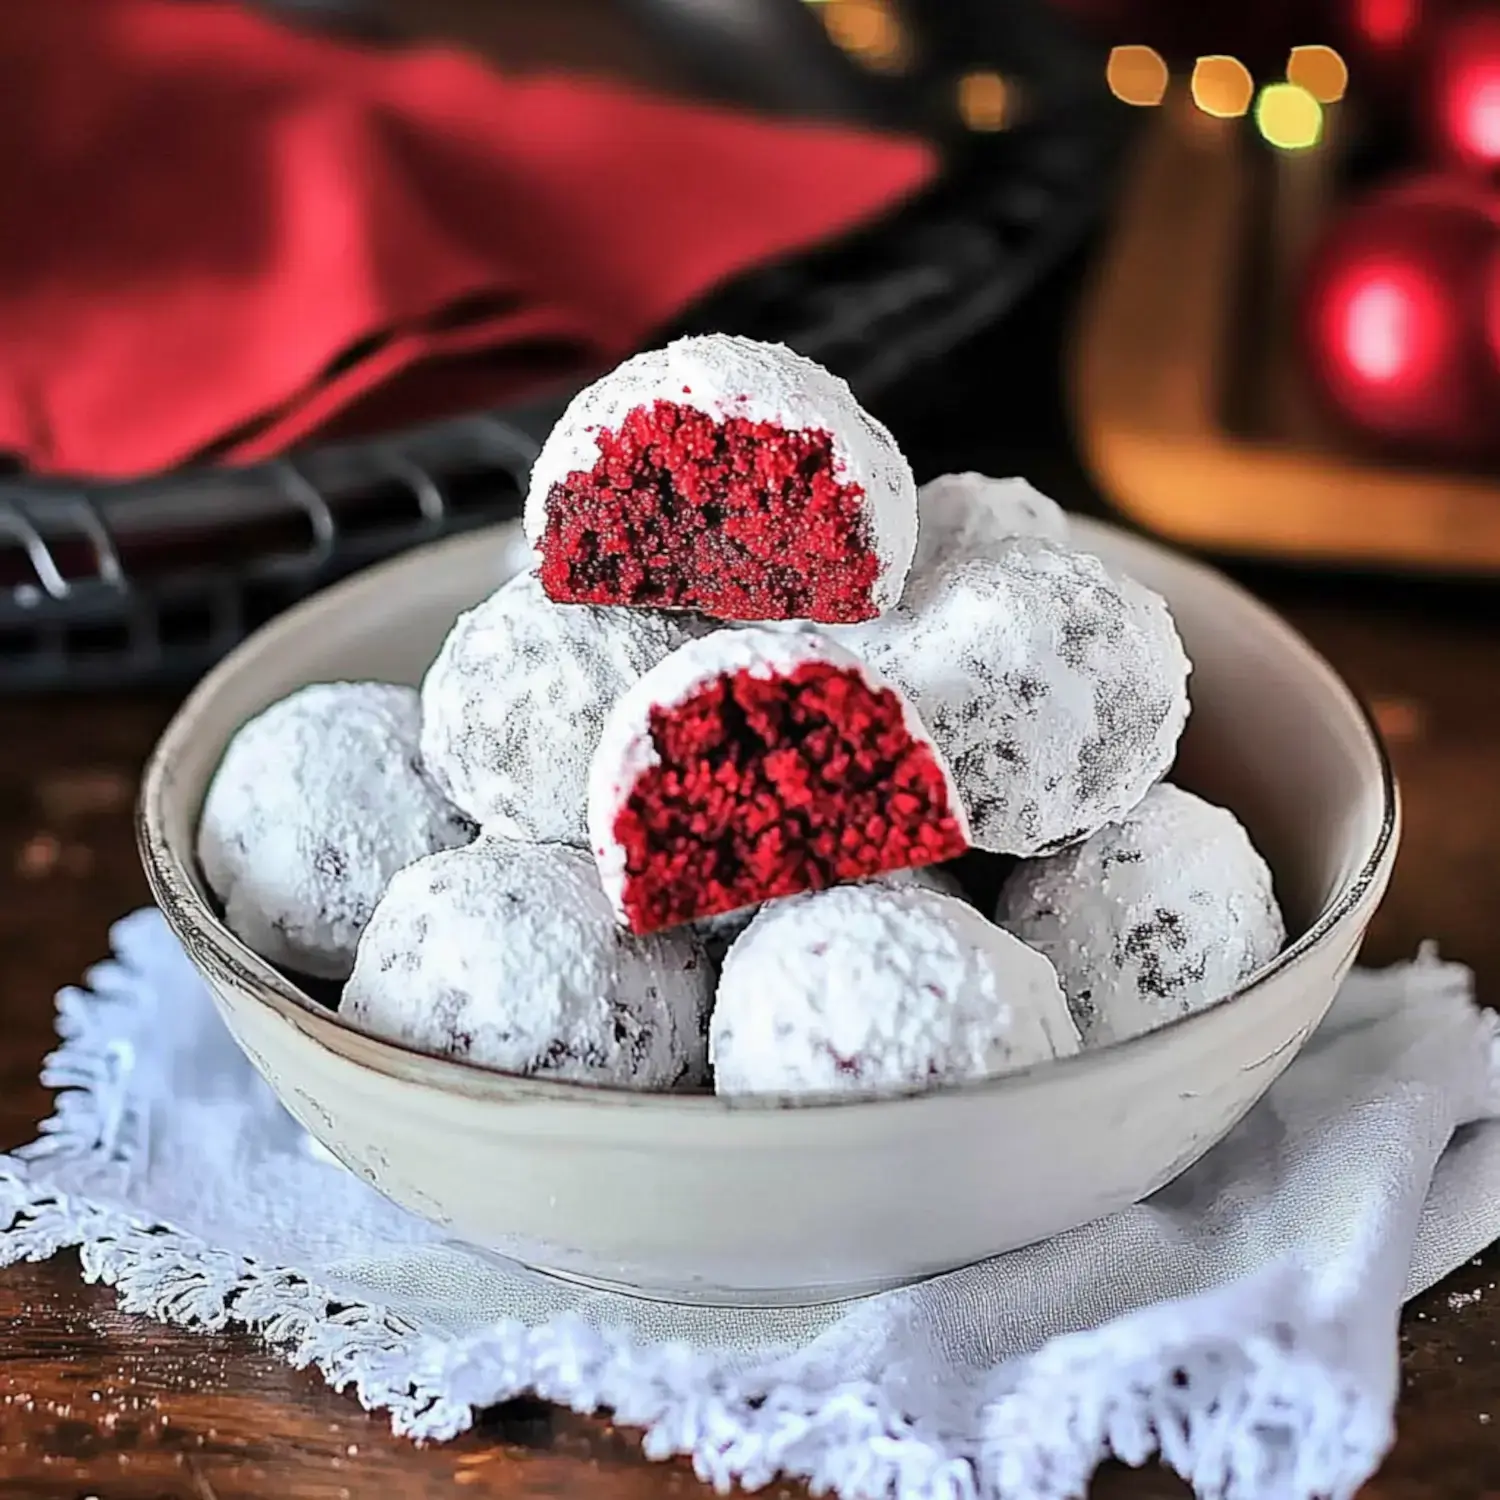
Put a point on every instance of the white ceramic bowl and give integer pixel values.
(771, 1202)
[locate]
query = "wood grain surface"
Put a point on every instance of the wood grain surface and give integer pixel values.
(96, 1403)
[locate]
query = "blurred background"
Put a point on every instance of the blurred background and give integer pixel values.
(288, 287)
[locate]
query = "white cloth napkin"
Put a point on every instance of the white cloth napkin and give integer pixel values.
(1242, 1323)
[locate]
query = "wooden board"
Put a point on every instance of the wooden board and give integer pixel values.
(1190, 404)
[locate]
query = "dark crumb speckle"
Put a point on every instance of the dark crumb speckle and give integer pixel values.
(846, 1067)
(1152, 945)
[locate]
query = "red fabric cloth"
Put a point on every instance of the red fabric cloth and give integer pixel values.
(220, 236)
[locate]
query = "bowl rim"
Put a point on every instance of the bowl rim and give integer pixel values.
(193, 921)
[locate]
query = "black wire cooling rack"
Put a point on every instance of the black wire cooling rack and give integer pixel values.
(114, 585)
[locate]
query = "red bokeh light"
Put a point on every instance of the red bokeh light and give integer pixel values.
(1464, 91)
(1385, 326)
(1385, 24)
(1394, 313)
(1387, 43)
(1472, 110)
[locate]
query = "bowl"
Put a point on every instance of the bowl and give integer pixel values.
(778, 1202)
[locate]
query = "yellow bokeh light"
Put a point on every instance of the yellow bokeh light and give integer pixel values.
(1222, 87)
(1321, 71)
(1289, 116)
(1137, 75)
(984, 101)
(868, 30)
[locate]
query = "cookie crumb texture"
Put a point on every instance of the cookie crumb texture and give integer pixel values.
(766, 783)
(509, 955)
(741, 520)
(1150, 919)
(318, 802)
(728, 476)
(873, 988)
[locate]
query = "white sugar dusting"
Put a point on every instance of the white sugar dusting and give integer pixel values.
(719, 932)
(1151, 919)
(318, 802)
(1057, 690)
(865, 988)
(625, 749)
(514, 704)
(972, 515)
(508, 954)
(726, 376)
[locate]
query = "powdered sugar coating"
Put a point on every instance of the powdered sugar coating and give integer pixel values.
(517, 555)
(1150, 919)
(513, 705)
(1056, 688)
(972, 515)
(507, 954)
(625, 747)
(724, 376)
(865, 988)
(318, 802)
(719, 933)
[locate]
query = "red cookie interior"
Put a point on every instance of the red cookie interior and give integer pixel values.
(768, 787)
(742, 520)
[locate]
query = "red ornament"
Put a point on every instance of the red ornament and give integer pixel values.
(1492, 325)
(1462, 98)
(1393, 314)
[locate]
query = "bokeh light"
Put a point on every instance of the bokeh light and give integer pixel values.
(1321, 71)
(1137, 75)
(1474, 110)
(1468, 91)
(1385, 24)
(868, 30)
(1289, 117)
(1222, 87)
(984, 101)
(1388, 325)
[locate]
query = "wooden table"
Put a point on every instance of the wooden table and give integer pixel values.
(95, 1403)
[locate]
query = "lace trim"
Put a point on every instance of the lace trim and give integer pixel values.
(1237, 1411)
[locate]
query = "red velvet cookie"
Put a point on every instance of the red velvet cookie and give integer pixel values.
(754, 764)
(727, 476)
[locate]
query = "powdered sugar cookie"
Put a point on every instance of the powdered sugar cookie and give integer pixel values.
(869, 988)
(513, 705)
(1150, 919)
(718, 933)
(318, 802)
(508, 954)
(727, 476)
(753, 764)
(971, 515)
(1056, 689)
